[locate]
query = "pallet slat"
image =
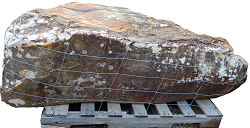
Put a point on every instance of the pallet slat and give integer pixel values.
(185, 108)
(87, 109)
(163, 110)
(49, 110)
(208, 107)
(139, 110)
(61, 110)
(114, 110)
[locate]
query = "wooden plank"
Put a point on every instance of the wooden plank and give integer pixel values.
(87, 109)
(163, 110)
(61, 110)
(49, 110)
(114, 110)
(139, 110)
(186, 109)
(74, 119)
(208, 107)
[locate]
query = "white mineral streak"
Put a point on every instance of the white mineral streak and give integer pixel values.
(88, 79)
(155, 48)
(17, 102)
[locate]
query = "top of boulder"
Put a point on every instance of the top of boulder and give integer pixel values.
(122, 22)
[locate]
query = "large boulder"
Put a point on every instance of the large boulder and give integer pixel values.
(93, 53)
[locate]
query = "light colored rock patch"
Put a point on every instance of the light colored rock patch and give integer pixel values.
(28, 74)
(17, 102)
(31, 23)
(32, 37)
(155, 48)
(40, 21)
(102, 45)
(173, 51)
(102, 64)
(63, 36)
(18, 81)
(182, 59)
(139, 45)
(81, 80)
(171, 60)
(110, 67)
(84, 52)
(31, 57)
(72, 53)
(49, 36)
(19, 55)
(8, 52)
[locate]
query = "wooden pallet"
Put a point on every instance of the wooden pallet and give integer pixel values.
(180, 114)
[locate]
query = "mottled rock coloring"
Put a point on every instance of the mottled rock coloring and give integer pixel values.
(93, 53)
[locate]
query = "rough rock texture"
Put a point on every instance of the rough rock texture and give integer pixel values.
(93, 53)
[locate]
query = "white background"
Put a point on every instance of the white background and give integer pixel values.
(224, 18)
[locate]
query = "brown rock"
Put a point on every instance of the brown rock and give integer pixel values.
(93, 53)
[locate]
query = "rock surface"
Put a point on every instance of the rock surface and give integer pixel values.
(93, 53)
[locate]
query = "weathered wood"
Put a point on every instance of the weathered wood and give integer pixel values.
(163, 110)
(208, 107)
(121, 122)
(185, 108)
(87, 109)
(114, 110)
(49, 110)
(135, 120)
(61, 110)
(139, 110)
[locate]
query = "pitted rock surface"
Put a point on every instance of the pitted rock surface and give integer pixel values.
(92, 53)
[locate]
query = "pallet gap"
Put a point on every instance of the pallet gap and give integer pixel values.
(127, 108)
(104, 106)
(194, 107)
(174, 108)
(151, 109)
(75, 107)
